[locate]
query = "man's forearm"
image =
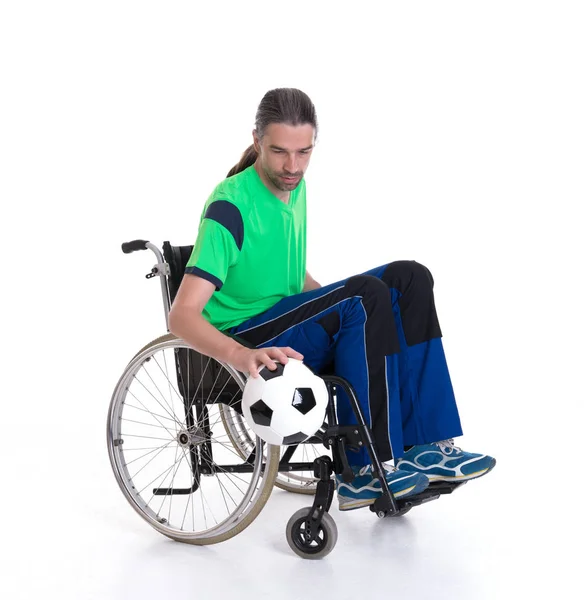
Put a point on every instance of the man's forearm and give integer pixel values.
(310, 283)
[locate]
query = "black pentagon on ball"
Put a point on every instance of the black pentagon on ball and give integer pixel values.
(266, 374)
(296, 438)
(303, 400)
(261, 413)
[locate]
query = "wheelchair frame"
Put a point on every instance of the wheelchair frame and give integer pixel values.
(304, 527)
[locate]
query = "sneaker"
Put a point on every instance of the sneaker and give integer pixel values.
(443, 461)
(365, 489)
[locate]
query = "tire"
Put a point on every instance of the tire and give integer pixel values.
(203, 454)
(326, 539)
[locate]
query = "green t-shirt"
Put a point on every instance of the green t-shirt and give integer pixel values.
(252, 246)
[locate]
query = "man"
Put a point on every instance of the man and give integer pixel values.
(247, 276)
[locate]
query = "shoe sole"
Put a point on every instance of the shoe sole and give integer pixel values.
(455, 478)
(354, 504)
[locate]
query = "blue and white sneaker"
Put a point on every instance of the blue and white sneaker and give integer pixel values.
(443, 461)
(365, 489)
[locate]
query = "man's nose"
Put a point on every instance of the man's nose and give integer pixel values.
(291, 163)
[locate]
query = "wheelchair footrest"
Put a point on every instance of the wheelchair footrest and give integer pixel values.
(432, 492)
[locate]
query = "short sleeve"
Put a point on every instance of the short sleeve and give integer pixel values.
(218, 244)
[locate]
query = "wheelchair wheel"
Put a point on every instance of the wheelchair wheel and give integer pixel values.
(320, 543)
(242, 438)
(169, 450)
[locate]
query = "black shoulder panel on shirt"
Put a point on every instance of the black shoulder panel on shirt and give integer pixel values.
(228, 215)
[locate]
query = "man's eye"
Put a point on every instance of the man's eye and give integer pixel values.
(277, 151)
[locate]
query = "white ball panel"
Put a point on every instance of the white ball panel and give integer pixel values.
(267, 434)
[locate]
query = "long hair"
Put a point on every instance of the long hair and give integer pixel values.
(282, 105)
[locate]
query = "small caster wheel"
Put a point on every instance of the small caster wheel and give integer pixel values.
(322, 541)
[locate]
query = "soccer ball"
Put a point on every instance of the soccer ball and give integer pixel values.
(285, 406)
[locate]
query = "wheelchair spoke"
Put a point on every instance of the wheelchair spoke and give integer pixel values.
(167, 471)
(223, 494)
(167, 377)
(202, 496)
(204, 499)
(231, 477)
(155, 415)
(189, 498)
(172, 416)
(125, 435)
(192, 401)
(150, 412)
(157, 388)
(210, 391)
(149, 448)
(219, 413)
(160, 449)
(219, 467)
(222, 444)
(170, 387)
(145, 424)
(172, 484)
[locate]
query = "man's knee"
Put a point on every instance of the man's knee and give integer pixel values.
(367, 285)
(410, 272)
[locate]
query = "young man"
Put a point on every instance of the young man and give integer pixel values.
(247, 276)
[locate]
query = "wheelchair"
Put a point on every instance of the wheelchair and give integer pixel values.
(188, 463)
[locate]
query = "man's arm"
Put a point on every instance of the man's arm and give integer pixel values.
(310, 283)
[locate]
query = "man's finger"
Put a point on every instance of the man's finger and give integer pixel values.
(269, 362)
(283, 357)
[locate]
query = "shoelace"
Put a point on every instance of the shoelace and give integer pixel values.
(367, 470)
(448, 447)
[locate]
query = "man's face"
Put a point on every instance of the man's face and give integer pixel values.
(284, 153)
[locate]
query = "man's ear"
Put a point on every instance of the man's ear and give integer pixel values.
(256, 141)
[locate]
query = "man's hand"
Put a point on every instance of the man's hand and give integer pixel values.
(248, 360)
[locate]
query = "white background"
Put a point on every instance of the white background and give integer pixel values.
(451, 133)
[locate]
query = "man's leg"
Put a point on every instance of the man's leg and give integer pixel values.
(350, 322)
(428, 405)
(429, 412)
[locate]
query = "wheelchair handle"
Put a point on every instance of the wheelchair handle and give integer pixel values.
(129, 247)
(161, 269)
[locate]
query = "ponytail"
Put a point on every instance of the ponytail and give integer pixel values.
(247, 159)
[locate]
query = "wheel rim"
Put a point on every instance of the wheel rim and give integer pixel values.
(299, 535)
(153, 446)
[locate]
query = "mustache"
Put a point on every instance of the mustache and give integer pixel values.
(299, 174)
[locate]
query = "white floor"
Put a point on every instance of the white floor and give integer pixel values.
(490, 539)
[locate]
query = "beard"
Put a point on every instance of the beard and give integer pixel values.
(280, 184)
